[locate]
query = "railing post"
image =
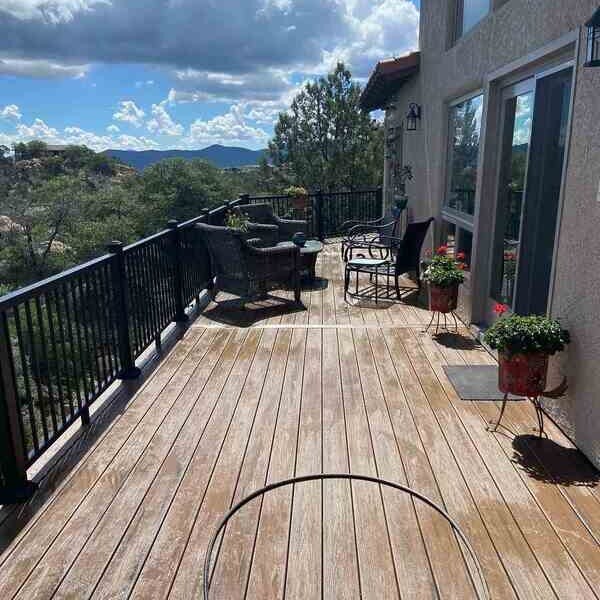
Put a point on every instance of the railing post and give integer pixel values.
(118, 279)
(180, 316)
(206, 214)
(14, 486)
(319, 214)
(379, 200)
(244, 199)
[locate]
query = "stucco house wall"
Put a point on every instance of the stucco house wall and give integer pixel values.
(518, 35)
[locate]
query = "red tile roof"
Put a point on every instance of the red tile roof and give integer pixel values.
(387, 78)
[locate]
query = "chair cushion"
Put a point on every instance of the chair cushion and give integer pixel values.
(366, 262)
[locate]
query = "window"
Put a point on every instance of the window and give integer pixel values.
(463, 153)
(469, 13)
(459, 242)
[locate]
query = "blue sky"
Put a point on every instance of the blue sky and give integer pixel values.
(179, 73)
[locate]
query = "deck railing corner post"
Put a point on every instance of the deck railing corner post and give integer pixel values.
(244, 199)
(15, 488)
(180, 314)
(319, 214)
(206, 215)
(119, 278)
(379, 199)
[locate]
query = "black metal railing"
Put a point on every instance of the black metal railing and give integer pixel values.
(326, 212)
(65, 340)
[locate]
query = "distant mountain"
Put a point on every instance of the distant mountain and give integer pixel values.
(220, 156)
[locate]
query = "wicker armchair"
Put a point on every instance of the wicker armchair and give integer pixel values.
(245, 270)
(263, 214)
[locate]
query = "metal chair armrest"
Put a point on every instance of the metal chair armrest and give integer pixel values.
(365, 228)
(347, 225)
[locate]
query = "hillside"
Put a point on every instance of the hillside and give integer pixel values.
(220, 156)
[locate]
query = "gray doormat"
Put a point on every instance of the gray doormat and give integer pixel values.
(475, 382)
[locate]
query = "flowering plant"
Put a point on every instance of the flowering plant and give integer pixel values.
(516, 334)
(295, 191)
(237, 221)
(444, 271)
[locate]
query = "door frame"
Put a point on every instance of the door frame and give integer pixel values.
(505, 86)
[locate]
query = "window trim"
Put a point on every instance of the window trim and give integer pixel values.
(452, 215)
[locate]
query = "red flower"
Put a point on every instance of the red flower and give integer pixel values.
(500, 309)
(442, 250)
(461, 266)
(461, 255)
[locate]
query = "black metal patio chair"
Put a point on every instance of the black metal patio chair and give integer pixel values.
(262, 214)
(245, 270)
(407, 259)
(379, 236)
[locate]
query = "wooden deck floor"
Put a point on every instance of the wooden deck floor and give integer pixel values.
(329, 389)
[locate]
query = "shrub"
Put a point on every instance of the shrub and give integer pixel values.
(527, 335)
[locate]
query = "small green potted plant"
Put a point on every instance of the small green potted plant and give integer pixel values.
(444, 274)
(235, 220)
(299, 197)
(524, 345)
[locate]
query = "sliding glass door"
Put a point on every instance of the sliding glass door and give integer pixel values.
(517, 122)
(534, 127)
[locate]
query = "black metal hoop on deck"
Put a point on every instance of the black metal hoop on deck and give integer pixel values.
(482, 594)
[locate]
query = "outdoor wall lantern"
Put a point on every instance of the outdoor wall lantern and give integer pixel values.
(413, 116)
(593, 40)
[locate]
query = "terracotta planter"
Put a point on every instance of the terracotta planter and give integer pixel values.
(522, 374)
(443, 299)
(300, 202)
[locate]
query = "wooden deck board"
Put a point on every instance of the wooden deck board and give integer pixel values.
(333, 388)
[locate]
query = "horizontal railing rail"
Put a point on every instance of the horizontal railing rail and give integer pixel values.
(66, 339)
(326, 212)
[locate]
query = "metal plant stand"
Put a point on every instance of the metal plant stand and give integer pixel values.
(539, 413)
(473, 566)
(437, 324)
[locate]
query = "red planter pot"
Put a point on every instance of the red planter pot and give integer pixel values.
(443, 300)
(300, 202)
(523, 374)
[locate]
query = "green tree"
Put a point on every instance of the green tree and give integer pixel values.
(326, 139)
(180, 189)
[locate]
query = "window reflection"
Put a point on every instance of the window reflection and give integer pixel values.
(518, 118)
(472, 12)
(465, 127)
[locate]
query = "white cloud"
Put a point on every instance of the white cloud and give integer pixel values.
(38, 130)
(130, 113)
(41, 69)
(141, 84)
(48, 11)
(130, 142)
(162, 123)
(230, 128)
(378, 30)
(11, 113)
(113, 129)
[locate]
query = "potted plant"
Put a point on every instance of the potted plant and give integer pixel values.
(238, 221)
(444, 274)
(524, 345)
(299, 197)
